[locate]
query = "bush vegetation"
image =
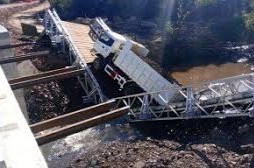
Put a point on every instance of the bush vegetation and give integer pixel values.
(194, 31)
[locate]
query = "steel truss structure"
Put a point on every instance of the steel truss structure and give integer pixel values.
(231, 97)
(59, 36)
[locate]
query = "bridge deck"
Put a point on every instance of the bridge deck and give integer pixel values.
(80, 35)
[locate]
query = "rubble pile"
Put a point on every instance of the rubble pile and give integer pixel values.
(45, 101)
(5, 13)
(10, 10)
(224, 143)
(162, 153)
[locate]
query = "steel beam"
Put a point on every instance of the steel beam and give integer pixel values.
(77, 127)
(44, 74)
(216, 99)
(73, 117)
(36, 80)
(16, 45)
(23, 57)
(22, 44)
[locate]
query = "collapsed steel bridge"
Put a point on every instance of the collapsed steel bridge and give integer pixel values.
(231, 97)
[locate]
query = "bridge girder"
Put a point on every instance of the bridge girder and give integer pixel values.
(231, 97)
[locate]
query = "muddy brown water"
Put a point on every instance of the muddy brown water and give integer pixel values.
(202, 74)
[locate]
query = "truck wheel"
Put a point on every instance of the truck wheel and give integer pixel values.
(98, 64)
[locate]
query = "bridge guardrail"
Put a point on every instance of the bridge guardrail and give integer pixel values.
(231, 97)
(54, 28)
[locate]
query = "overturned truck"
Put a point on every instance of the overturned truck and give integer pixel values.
(121, 58)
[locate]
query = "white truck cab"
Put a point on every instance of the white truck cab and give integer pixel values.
(108, 42)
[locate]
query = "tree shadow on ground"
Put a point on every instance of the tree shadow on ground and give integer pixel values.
(215, 141)
(229, 133)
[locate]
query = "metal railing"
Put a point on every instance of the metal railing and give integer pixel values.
(231, 97)
(54, 28)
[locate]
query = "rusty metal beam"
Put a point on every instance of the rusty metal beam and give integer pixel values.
(73, 117)
(44, 74)
(16, 45)
(77, 127)
(34, 81)
(23, 57)
(22, 44)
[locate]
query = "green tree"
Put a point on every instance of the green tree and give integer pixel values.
(249, 17)
(249, 21)
(204, 2)
(185, 9)
(60, 4)
(183, 38)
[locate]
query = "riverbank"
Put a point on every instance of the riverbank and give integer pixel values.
(163, 154)
(190, 143)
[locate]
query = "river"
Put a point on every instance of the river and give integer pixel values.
(201, 74)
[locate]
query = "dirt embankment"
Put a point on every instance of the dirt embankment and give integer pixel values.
(28, 16)
(7, 12)
(44, 100)
(163, 154)
(227, 143)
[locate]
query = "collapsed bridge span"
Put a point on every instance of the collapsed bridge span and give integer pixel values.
(232, 97)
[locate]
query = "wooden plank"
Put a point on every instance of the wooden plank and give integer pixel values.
(57, 76)
(77, 127)
(23, 57)
(73, 117)
(80, 36)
